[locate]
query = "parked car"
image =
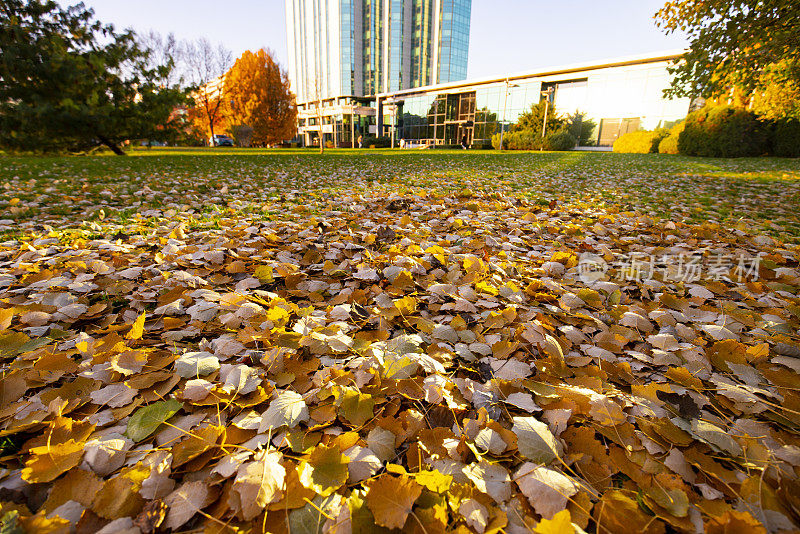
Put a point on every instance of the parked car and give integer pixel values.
(221, 140)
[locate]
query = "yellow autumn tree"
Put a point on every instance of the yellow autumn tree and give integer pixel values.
(258, 96)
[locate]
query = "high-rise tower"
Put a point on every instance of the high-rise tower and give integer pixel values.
(365, 47)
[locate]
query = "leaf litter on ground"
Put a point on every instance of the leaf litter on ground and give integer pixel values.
(427, 361)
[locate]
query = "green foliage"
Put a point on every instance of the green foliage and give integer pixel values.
(9, 523)
(669, 144)
(581, 127)
(377, 142)
(70, 83)
(723, 131)
(561, 140)
(732, 43)
(146, 420)
(532, 119)
(527, 140)
(526, 133)
(522, 140)
(785, 139)
(641, 142)
(778, 94)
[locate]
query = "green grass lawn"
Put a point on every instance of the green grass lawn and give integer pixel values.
(760, 194)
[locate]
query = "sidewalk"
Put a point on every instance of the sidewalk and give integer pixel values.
(593, 148)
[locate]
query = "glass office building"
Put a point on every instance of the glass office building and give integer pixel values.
(618, 95)
(365, 47)
(344, 52)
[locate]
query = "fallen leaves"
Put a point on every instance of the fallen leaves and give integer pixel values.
(47, 462)
(535, 441)
(259, 483)
(146, 420)
(391, 499)
(421, 362)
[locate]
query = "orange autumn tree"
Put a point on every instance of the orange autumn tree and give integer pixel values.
(257, 95)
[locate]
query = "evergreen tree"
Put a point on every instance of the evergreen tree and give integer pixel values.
(70, 83)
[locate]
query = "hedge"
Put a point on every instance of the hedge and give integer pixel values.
(641, 142)
(724, 132)
(669, 145)
(785, 139)
(529, 140)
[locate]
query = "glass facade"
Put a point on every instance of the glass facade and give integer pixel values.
(367, 47)
(616, 99)
(453, 40)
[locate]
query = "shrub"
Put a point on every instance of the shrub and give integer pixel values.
(370, 141)
(528, 140)
(581, 127)
(785, 139)
(669, 145)
(523, 140)
(242, 134)
(496, 141)
(723, 131)
(641, 142)
(562, 140)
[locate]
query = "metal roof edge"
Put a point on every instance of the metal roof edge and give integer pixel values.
(652, 57)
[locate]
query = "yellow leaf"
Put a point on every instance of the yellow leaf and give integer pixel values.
(278, 315)
(560, 524)
(5, 318)
(356, 407)
(434, 480)
(264, 274)
(406, 305)
(390, 499)
(119, 496)
(484, 287)
(137, 329)
(404, 280)
(49, 461)
(504, 349)
(46, 525)
(198, 442)
(325, 471)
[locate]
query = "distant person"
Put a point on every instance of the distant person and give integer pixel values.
(360, 139)
(402, 143)
(464, 142)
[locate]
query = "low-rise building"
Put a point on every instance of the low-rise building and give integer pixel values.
(619, 95)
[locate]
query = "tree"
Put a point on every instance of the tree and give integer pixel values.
(257, 94)
(70, 83)
(778, 94)
(163, 51)
(734, 43)
(581, 127)
(531, 120)
(206, 66)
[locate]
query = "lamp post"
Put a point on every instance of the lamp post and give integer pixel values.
(503, 122)
(546, 94)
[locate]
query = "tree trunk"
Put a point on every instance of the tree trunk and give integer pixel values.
(111, 144)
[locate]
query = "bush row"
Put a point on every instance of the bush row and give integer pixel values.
(731, 132)
(530, 140)
(641, 142)
(718, 131)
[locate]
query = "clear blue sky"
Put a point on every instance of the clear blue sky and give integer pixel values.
(506, 35)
